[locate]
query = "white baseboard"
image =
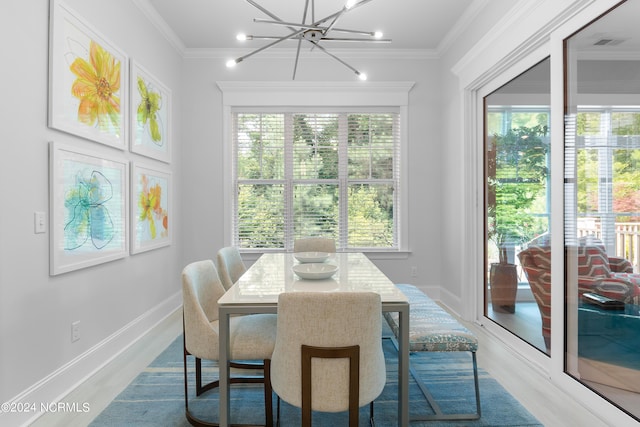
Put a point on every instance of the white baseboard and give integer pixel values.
(52, 388)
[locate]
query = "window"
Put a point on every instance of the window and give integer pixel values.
(608, 190)
(316, 173)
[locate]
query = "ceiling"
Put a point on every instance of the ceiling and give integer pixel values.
(213, 24)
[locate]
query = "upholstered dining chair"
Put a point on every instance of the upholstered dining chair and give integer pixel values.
(252, 337)
(230, 265)
(314, 244)
(328, 355)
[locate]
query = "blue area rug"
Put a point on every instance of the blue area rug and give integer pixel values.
(156, 396)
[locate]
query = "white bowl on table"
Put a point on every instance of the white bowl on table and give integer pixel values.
(315, 257)
(315, 271)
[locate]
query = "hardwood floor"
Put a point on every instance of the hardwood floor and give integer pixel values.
(543, 399)
(525, 322)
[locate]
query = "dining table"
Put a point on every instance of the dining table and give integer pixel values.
(257, 291)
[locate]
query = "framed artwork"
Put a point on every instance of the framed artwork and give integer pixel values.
(150, 115)
(88, 80)
(88, 203)
(150, 208)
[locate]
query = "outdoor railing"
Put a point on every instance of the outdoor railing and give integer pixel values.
(627, 239)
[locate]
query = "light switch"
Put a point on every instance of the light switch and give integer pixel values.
(39, 222)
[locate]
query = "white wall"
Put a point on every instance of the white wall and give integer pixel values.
(204, 147)
(37, 357)
(456, 160)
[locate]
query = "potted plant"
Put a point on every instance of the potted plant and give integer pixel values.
(516, 174)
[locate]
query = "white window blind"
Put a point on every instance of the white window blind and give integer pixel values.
(316, 174)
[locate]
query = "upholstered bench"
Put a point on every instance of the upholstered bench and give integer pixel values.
(431, 328)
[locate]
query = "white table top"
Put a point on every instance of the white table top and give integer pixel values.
(272, 274)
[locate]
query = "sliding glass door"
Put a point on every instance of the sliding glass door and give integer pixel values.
(517, 206)
(602, 206)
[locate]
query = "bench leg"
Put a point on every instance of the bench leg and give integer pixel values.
(438, 414)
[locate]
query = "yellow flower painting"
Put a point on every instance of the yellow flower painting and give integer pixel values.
(88, 80)
(97, 88)
(150, 115)
(150, 207)
(151, 221)
(148, 108)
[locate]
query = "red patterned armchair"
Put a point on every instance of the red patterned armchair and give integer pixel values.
(599, 273)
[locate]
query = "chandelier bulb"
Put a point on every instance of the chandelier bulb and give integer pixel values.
(231, 63)
(361, 76)
(378, 34)
(350, 4)
(241, 37)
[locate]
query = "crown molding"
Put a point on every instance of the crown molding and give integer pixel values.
(161, 25)
(524, 11)
(461, 25)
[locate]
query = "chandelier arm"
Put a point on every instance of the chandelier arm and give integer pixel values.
(360, 3)
(295, 64)
(281, 39)
(340, 12)
(364, 33)
(263, 10)
(335, 19)
(290, 25)
(306, 9)
(253, 37)
(353, 39)
(334, 57)
(293, 25)
(304, 19)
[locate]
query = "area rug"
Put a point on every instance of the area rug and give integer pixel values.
(156, 397)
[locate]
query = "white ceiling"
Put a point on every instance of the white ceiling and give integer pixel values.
(411, 24)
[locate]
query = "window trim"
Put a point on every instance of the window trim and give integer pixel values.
(299, 95)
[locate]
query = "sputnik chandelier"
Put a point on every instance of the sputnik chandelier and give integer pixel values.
(315, 32)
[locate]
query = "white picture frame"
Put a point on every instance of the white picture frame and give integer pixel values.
(84, 99)
(88, 205)
(150, 115)
(151, 204)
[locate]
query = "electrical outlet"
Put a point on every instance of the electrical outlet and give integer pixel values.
(414, 271)
(75, 331)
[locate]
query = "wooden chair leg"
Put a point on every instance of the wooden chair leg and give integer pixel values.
(353, 354)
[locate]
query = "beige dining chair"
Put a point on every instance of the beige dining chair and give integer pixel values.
(314, 244)
(251, 337)
(230, 265)
(328, 355)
